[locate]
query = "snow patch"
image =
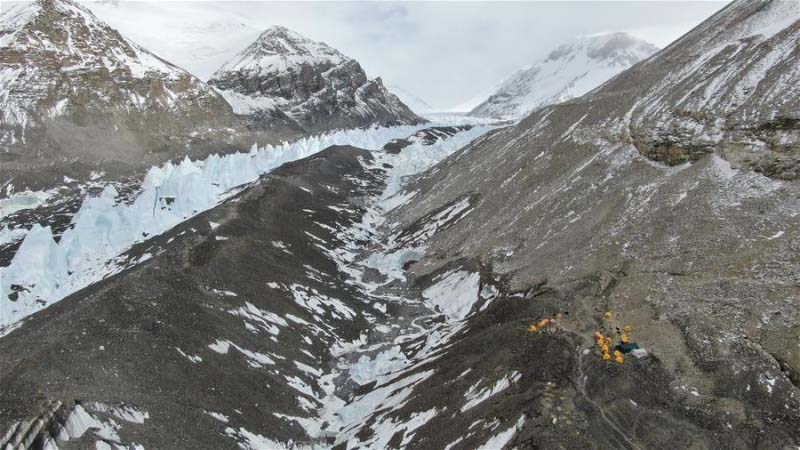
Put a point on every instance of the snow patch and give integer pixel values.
(500, 440)
(476, 397)
(455, 294)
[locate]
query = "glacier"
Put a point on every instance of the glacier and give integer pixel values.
(44, 271)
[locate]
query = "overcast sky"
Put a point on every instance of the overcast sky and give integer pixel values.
(447, 53)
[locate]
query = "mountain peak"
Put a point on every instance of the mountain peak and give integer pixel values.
(285, 41)
(314, 84)
(20, 14)
(570, 70)
(617, 48)
(280, 30)
(278, 48)
(65, 32)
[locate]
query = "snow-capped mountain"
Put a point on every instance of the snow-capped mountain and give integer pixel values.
(75, 93)
(570, 70)
(198, 36)
(412, 100)
(283, 72)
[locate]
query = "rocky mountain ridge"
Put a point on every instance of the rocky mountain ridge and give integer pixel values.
(314, 84)
(728, 89)
(77, 95)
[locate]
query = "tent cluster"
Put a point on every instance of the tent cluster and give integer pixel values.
(604, 342)
(544, 323)
(603, 337)
(624, 346)
(534, 327)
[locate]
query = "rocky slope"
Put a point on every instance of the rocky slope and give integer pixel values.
(211, 336)
(77, 96)
(285, 74)
(569, 71)
(728, 87)
(276, 354)
(648, 199)
(340, 302)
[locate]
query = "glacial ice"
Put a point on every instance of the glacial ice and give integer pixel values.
(44, 271)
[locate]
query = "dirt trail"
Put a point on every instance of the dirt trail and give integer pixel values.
(580, 385)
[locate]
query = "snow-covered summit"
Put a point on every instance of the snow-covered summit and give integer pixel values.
(279, 48)
(285, 74)
(570, 70)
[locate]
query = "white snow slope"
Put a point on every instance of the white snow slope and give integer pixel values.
(569, 71)
(198, 35)
(412, 100)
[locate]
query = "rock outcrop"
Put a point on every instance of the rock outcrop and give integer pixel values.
(314, 84)
(727, 87)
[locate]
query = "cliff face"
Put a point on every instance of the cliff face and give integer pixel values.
(314, 84)
(76, 94)
(727, 87)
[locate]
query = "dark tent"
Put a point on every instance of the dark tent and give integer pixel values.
(627, 348)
